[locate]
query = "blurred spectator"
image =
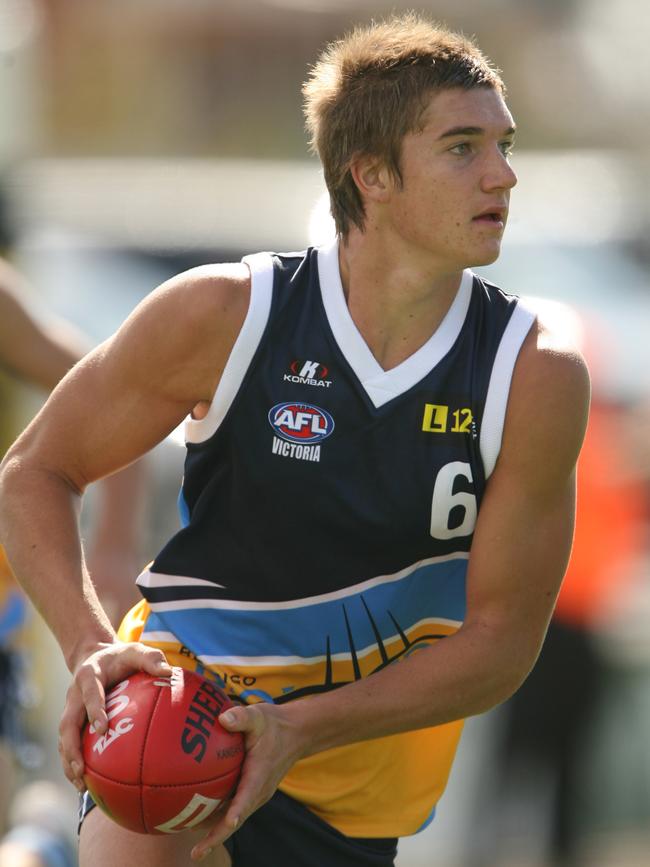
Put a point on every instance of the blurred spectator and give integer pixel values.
(39, 833)
(40, 351)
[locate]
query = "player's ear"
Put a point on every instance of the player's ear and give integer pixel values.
(372, 177)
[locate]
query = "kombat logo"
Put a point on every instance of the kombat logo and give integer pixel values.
(299, 429)
(308, 373)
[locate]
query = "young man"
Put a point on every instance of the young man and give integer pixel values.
(381, 456)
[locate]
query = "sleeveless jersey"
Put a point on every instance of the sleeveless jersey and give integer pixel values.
(328, 510)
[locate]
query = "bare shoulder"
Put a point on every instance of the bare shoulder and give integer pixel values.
(549, 403)
(186, 328)
(128, 393)
(207, 297)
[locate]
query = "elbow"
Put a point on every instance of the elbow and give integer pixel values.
(521, 661)
(25, 481)
(512, 680)
(10, 476)
(10, 473)
(504, 668)
(498, 687)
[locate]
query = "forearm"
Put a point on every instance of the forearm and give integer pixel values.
(460, 676)
(39, 529)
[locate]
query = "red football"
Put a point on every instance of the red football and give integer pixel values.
(165, 763)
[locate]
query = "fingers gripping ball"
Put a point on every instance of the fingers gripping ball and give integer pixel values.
(165, 763)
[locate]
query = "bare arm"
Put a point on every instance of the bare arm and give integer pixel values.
(118, 402)
(40, 351)
(520, 551)
(519, 554)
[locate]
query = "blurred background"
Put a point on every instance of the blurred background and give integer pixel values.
(142, 137)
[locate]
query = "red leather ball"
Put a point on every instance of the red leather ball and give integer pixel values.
(165, 763)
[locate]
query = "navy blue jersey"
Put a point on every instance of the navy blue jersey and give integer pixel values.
(329, 505)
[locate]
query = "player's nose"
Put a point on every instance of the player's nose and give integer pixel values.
(499, 174)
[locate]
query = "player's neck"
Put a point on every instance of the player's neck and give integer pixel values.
(396, 302)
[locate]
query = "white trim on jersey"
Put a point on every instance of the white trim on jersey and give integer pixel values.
(261, 268)
(496, 401)
(382, 385)
(159, 579)
(160, 637)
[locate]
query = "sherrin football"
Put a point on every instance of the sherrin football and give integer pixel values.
(165, 763)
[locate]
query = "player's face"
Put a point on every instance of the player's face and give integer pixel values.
(453, 202)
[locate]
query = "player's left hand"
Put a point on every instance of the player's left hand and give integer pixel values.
(272, 746)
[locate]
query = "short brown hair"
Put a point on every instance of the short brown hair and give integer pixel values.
(369, 89)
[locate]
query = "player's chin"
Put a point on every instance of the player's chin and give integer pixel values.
(486, 255)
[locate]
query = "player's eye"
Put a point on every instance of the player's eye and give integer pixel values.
(461, 149)
(507, 147)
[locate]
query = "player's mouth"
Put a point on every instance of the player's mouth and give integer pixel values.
(492, 217)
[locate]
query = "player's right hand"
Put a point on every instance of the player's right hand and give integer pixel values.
(107, 665)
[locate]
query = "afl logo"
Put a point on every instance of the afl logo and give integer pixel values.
(301, 422)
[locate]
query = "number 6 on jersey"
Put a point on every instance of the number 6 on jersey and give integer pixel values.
(444, 501)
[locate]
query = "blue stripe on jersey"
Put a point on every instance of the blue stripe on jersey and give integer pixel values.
(427, 821)
(183, 509)
(359, 620)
